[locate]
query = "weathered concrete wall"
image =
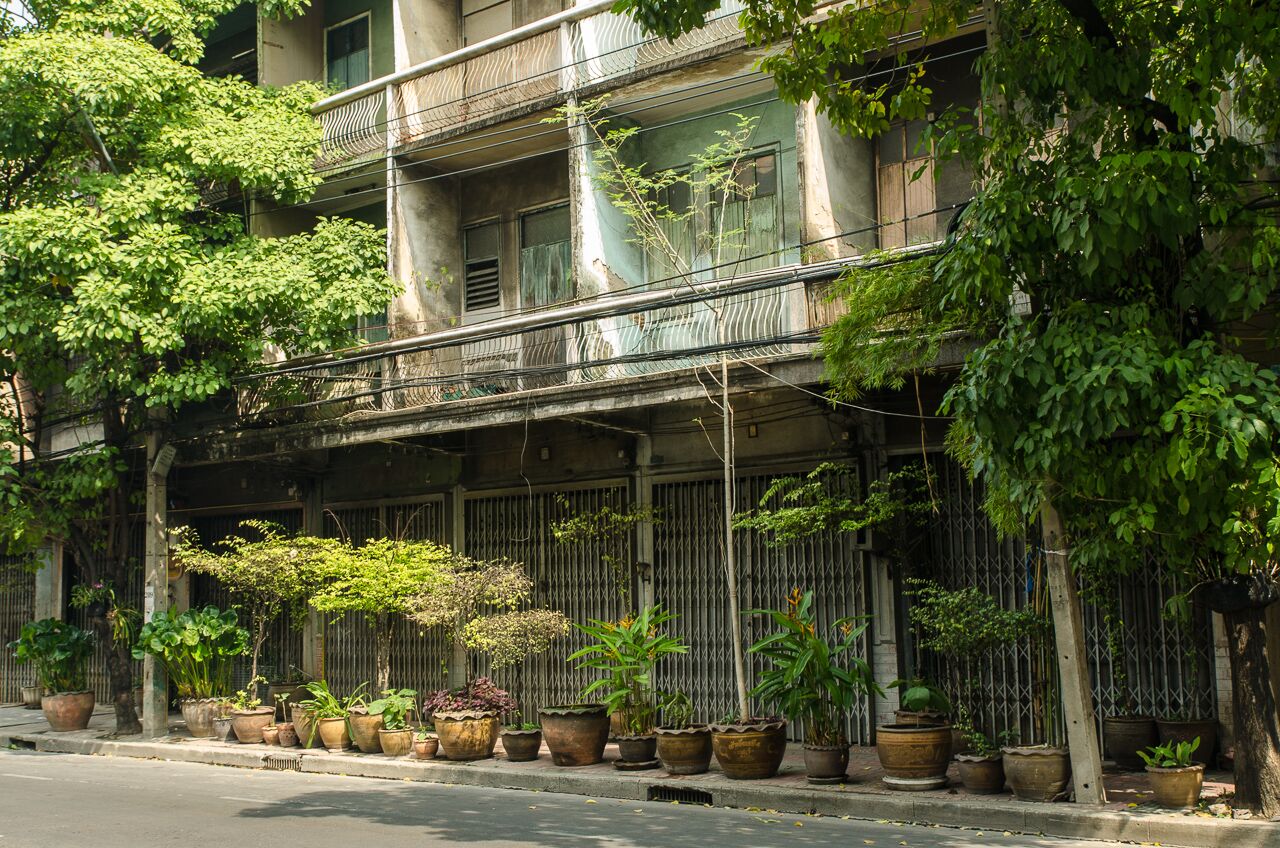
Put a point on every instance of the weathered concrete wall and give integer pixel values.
(293, 49)
(425, 29)
(426, 252)
(837, 187)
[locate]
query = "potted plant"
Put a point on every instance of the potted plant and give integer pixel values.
(921, 701)
(426, 743)
(982, 765)
(467, 718)
(60, 652)
(328, 714)
(1176, 779)
(304, 724)
(814, 679)
(31, 697)
(288, 734)
(1186, 726)
(683, 747)
(197, 648)
(522, 742)
(271, 734)
(224, 722)
(100, 603)
(626, 652)
(364, 726)
(248, 715)
(393, 708)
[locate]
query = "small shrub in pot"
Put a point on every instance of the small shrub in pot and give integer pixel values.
(522, 742)
(1176, 778)
(248, 716)
(394, 707)
(60, 652)
(683, 747)
(467, 718)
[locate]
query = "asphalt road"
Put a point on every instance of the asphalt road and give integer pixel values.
(60, 800)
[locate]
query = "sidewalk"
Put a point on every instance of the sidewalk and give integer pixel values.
(1129, 816)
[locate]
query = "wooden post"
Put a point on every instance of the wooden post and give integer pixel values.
(1073, 666)
(155, 593)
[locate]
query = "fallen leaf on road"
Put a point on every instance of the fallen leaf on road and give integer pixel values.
(590, 800)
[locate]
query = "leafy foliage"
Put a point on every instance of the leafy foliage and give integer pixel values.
(478, 695)
(60, 652)
(246, 699)
(196, 647)
(394, 706)
(919, 695)
(124, 619)
(1170, 755)
(676, 710)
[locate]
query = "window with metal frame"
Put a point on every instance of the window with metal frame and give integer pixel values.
(481, 288)
(347, 56)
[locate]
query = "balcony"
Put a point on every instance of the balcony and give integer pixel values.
(583, 50)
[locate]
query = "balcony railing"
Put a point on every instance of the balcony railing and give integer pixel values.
(542, 63)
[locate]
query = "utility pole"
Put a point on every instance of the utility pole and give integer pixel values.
(155, 595)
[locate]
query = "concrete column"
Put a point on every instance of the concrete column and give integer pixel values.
(313, 627)
(642, 498)
(456, 522)
(155, 599)
(883, 635)
(1223, 692)
(837, 188)
(425, 253)
(49, 602)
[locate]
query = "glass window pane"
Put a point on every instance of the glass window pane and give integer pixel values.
(546, 226)
(481, 240)
(766, 176)
(890, 145)
(347, 49)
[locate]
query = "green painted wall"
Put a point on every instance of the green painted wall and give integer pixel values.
(381, 29)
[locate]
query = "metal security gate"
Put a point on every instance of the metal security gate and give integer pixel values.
(571, 577)
(130, 595)
(417, 656)
(17, 607)
(689, 580)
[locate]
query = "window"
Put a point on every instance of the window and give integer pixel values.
(545, 257)
(347, 53)
(906, 205)
(480, 286)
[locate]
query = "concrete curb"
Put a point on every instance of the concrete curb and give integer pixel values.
(1061, 820)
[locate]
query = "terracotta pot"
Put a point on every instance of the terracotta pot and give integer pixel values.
(576, 733)
(1037, 773)
(271, 734)
(914, 757)
(1124, 736)
(915, 718)
(333, 734)
(1184, 731)
(1177, 788)
(364, 730)
(685, 750)
(288, 736)
(248, 724)
(750, 751)
(199, 713)
(641, 748)
(395, 743)
(522, 746)
(223, 729)
(295, 691)
(826, 763)
(67, 710)
(467, 734)
(31, 697)
(425, 749)
(305, 726)
(982, 775)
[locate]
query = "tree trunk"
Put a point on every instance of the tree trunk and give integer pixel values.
(120, 673)
(382, 633)
(1257, 758)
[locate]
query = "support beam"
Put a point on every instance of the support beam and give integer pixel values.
(1073, 666)
(313, 627)
(456, 524)
(642, 498)
(155, 596)
(49, 600)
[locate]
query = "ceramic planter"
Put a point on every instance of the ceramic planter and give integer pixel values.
(981, 775)
(223, 729)
(288, 735)
(333, 734)
(1124, 736)
(31, 697)
(67, 710)
(636, 750)
(467, 734)
(685, 750)
(825, 764)
(914, 757)
(932, 718)
(304, 725)
(1176, 788)
(522, 746)
(271, 735)
(1174, 731)
(199, 713)
(750, 751)
(248, 724)
(425, 749)
(1037, 773)
(575, 734)
(364, 731)
(396, 743)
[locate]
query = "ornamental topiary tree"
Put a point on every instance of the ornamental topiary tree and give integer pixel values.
(128, 291)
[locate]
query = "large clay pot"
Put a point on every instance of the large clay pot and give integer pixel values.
(638, 748)
(826, 763)
(305, 725)
(248, 724)
(685, 750)
(67, 710)
(395, 743)
(31, 697)
(1174, 731)
(364, 730)
(914, 757)
(1124, 736)
(1177, 788)
(1037, 773)
(576, 733)
(522, 746)
(333, 734)
(199, 713)
(932, 718)
(981, 775)
(467, 734)
(750, 751)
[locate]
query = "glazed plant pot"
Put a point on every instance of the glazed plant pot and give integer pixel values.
(576, 733)
(931, 718)
(67, 710)
(31, 697)
(981, 775)
(396, 743)
(224, 729)
(333, 734)
(1037, 773)
(364, 731)
(684, 750)
(271, 735)
(199, 713)
(248, 724)
(467, 735)
(638, 748)
(1124, 736)
(914, 757)
(288, 736)
(1176, 788)
(750, 751)
(304, 725)
(1173, 731)
(825, 764)
(425, 749)
(522, 746)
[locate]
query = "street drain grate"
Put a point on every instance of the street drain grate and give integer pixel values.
(684, 796)
(282, 762)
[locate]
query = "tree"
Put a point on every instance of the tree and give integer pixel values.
(128, 293)
(1114, 269)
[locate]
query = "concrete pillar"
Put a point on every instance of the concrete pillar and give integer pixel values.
(425, 29)
(49, 602)
(456, 524)
(642, 498)
(313, 627)
(155, 598)
(425, 252)
(292, 49)
(837, 188)
(1223, 692)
